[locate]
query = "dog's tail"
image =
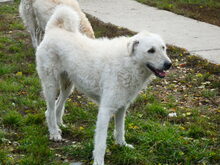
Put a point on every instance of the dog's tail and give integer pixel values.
(64, 17)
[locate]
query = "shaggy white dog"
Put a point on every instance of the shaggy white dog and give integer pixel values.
(109, 71)
(36, 13)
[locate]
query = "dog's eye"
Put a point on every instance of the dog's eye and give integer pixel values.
(163, 47)
(152, 50)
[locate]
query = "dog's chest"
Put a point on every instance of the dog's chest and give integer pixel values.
(132, 78)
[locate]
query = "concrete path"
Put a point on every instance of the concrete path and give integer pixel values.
(6, 1)
(198, 37)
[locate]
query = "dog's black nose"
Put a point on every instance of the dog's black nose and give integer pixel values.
(167, 65)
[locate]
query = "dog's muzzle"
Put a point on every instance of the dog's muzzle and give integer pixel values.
(160, 72)
(167, 65)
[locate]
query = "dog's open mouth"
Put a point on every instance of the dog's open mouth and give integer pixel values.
(157, 72)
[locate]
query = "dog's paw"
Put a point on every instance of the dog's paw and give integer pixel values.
(98, 156)
(56, 137)
(61, 125)
(129, 146)
(126, 145)
(98, 162)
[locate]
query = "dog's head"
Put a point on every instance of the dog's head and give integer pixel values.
(149, 49)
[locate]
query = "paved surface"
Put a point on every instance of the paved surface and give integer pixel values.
(198, 37)
(6, 1)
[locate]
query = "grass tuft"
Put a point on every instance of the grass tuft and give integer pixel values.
(156, 110)
(35, 145)
(13, 119)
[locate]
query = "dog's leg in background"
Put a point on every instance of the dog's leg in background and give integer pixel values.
(39, 33)
(119, 131)
(103, 119)
(66, 88)
(28, 16)
(50, 87)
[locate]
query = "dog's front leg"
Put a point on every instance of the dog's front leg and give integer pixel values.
(104, 116)
(119, 131)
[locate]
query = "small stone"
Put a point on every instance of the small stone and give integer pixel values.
(173, 114)
(76, 163)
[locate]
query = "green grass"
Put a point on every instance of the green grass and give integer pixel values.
(203, 10)
(170, 3)
(191, 90)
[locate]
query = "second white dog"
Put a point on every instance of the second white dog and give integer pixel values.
(109, 71)
(36, 13)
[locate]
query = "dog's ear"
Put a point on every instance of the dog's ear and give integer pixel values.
(132, 45)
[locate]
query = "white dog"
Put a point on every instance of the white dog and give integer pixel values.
(36, 13)
(109, 71)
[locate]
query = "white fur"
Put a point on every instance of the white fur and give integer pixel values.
(109, 71)
(36, 13)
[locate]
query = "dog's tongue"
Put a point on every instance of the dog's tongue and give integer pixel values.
(161, 73)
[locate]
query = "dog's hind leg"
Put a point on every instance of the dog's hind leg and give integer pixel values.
(28, 16)
(50, 87)
(119, 131)
(66, 88)
(39, 33)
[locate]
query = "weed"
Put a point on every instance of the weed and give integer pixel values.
(209, 93)
(36, 145)
(12, 119)
(156, 110)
